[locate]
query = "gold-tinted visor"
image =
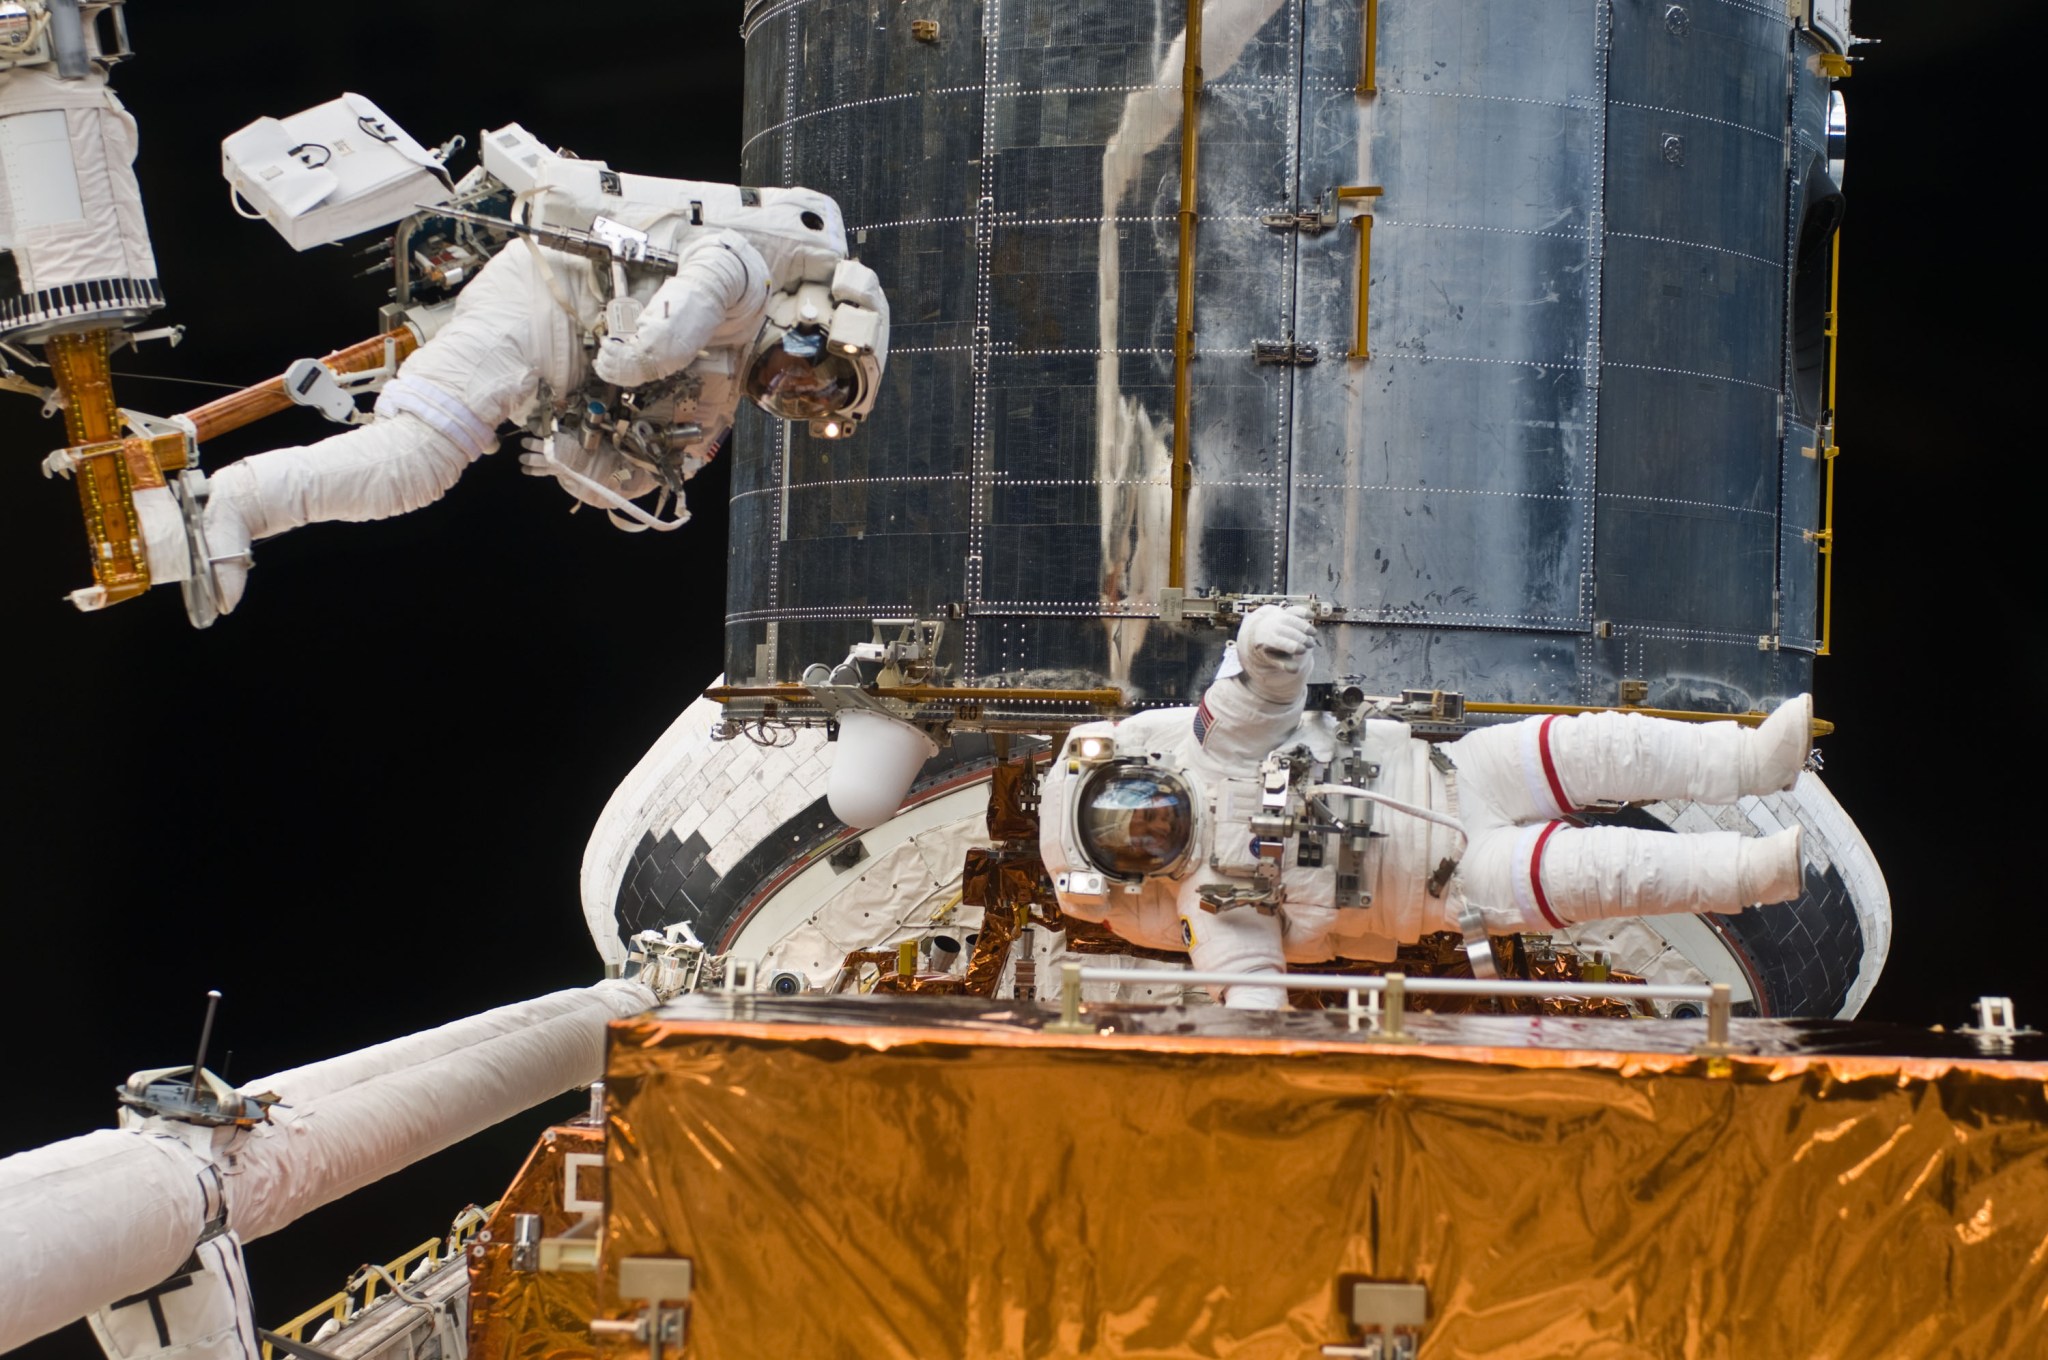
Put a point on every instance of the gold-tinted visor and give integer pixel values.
(800, 379)
(1134, 820)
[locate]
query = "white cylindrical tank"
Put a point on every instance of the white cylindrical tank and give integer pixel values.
(877, 759)
(74, 248)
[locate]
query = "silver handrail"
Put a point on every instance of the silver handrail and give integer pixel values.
(1389, 992)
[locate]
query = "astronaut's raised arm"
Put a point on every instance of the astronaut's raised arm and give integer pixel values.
(721, 281)
(1248, 711)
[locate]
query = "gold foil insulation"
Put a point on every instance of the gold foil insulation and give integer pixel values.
(108, 468)
(984, 1190)
(535, 1314)
(1521, 958)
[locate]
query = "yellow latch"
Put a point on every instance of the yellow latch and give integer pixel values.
(1363, 222)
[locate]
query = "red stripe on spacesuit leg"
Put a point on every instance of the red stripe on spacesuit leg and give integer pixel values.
(1564, 804)
(1536, 873)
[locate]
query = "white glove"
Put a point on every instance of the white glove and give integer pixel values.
(602, 463)
(719, 279)
(1273, 646)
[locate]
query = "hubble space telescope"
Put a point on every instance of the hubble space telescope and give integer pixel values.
(1492, 343)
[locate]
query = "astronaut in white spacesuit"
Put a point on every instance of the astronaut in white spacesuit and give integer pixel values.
(1154, 826)
(763, 303)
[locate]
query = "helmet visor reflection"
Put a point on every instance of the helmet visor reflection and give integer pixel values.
(800, 379)
(1134, 820)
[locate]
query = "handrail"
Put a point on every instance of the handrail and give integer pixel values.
(1369, 59)
(1393, 988)
(1183, 476)
(1825, 539)
(342, 1307)
(921, 694)
(1360, 346)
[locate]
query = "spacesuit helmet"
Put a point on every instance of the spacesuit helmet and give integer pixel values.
(822, 348)
(1134, 819)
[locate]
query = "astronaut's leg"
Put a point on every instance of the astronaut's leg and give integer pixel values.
(1545, 767)
(1237, 941)
(1554, 874)
(387, 468)
(442, 412)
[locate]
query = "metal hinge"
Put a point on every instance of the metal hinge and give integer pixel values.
(1321, 215)
(1294, 353)
(1309, 220)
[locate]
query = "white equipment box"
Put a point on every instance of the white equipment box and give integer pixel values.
(331, 172)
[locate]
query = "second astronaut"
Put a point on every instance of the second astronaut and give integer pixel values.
(1183, 828)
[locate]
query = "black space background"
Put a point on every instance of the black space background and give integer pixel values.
(358, 806)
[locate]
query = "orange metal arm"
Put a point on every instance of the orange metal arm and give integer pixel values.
(252, 404)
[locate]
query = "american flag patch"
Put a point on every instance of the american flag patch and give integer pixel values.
(1203, 717)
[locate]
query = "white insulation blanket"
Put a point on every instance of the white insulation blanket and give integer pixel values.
(356, 1119)
(97, 1218)
(90, 1220)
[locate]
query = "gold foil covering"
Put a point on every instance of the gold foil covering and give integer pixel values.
(534, 1315)
(983, 1191)
(1013, 803)
(105, 467)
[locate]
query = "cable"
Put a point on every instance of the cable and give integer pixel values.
(38, 20)
(1427, 814)
(165, 377)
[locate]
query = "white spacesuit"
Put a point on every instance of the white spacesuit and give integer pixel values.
(755, 307)
(1164, 826)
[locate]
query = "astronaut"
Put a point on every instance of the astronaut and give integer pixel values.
(1197, 829)
(627, 385)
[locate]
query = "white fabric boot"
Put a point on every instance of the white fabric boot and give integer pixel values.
(227, 547)
(1779, 747)
(1769, 868)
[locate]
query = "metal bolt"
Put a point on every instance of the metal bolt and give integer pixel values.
(1676, 20)
(1674, 150)
(1070, 1021)
(1391, 1030)
(525, 1242)
(1720, 1006)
